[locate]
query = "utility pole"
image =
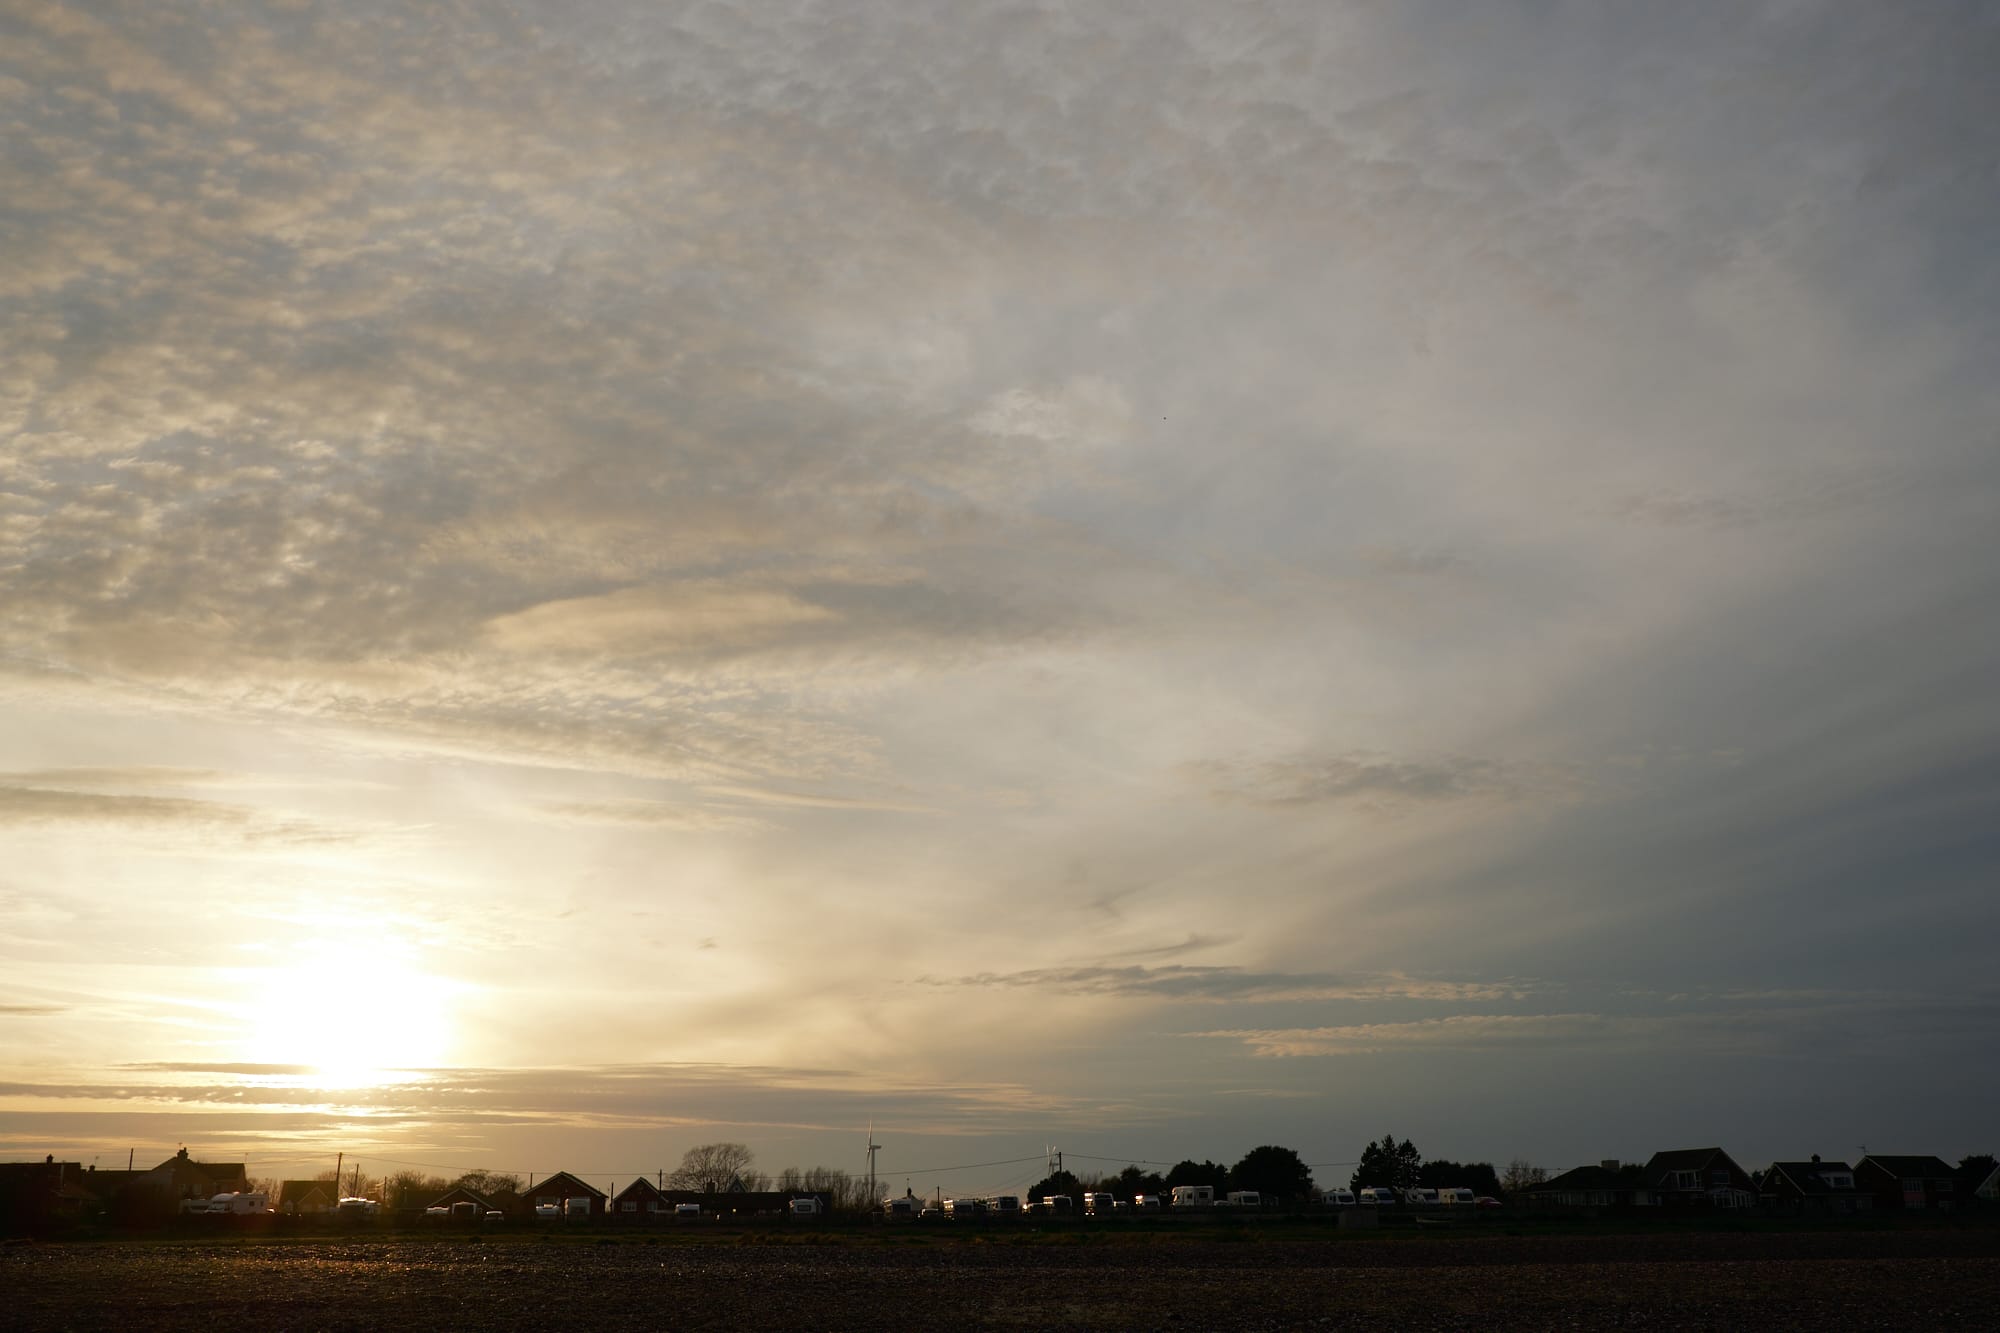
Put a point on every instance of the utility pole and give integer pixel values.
(339, 1161)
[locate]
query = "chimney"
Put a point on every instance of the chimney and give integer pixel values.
(1815, 1159)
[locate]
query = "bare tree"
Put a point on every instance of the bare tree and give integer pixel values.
(711, 1167)
(1519, 1175)
(488, 1183)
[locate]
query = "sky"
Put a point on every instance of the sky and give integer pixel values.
(577, 580)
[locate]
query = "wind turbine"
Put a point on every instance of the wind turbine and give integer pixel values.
(873, 1148)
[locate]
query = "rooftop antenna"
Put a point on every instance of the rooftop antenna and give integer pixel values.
(873, 1148)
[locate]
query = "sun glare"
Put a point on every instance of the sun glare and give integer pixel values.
(353, 1026)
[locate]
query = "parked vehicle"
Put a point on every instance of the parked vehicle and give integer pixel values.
(1420, 1196)
(1487, 1201)
(1373, 1196)
(1457, 1196)
(1337, 1198)
(576, 1207)
(465, 1210)
(1004, 1205)
(687, 1210)
(1245, 1199)
(1146, 1203)
(354, 1207)
(963, 1208)
(900, 1210)
(1060, 1204)
(1194, 1196)
(1095, 1203)
(495, 1215)
(805, 1208)
(547, 1211)
(437, 1210)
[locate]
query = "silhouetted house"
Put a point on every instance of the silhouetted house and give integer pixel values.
(133, 1198)
(457, 1194)
(1907, 1184)
(189, 1179)
(42, 1196)
(1988, 1189)
(1699, 1177)
(1606, 1185)
(306, 1198)
(561, 1187)
(641, 1198)
(1815, 1187)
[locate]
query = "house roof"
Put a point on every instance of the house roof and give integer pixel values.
(298, 1191)
(460, 1194)
(1810, 1177)
(641, 1188)
(1663, 1164)
(565, 1180)
(1921, 1166)
(1581, 1178)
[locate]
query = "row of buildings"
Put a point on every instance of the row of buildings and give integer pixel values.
(1711, 1178)
(51, 1193)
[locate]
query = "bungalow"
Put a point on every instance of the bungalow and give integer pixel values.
(561, 1187)
(1989, 1188)
(1907, 1183)
(1699, 1177)
(1823, 1188)
(36, 1196)
(306, 1198)
(481, 1204)
(1606, 1185)
(640, 1199)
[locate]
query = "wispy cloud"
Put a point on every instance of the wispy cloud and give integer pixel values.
(1232, 984)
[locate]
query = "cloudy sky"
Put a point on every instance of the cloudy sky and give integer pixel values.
(580, 579)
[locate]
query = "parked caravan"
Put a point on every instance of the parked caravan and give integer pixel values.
(1420, 1196)
(805, 1208)
(1194, 1196)
(1004, 1205)
(576, 1207)
(1146, 1203)
(465, 1210)
(1376, 1196)
(1094, 1203)
(1459, 1195)
(1245, 1199)
(1337, 1198)
(964, 1208)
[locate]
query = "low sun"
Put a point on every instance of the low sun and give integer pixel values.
(350, 1025)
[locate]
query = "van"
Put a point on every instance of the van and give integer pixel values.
(1004, 1205)
(964, 1208)
(805, 1207)
(1058, 1203)
(576, 1207)
(1421, 1196)
(1146, 1203)
(1337, 1198)
(1245, 1199)
(1094, 1203)
(465, 1210)
(1459, 1195)
(1194, 1196)
(1376, 1196)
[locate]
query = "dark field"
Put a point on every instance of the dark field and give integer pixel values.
(1860, 1280)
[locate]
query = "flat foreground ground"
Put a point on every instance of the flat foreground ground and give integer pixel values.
(1859, 1280)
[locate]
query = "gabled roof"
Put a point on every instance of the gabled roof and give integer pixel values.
(1663, 1164)
(298, 1191)
(1809, 1177)
(1581, 1178)
(641, 1188)
(564, 1180)
(460, 1194)
(1911, 1167)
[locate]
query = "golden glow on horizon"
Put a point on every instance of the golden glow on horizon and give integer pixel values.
(354, 1025)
